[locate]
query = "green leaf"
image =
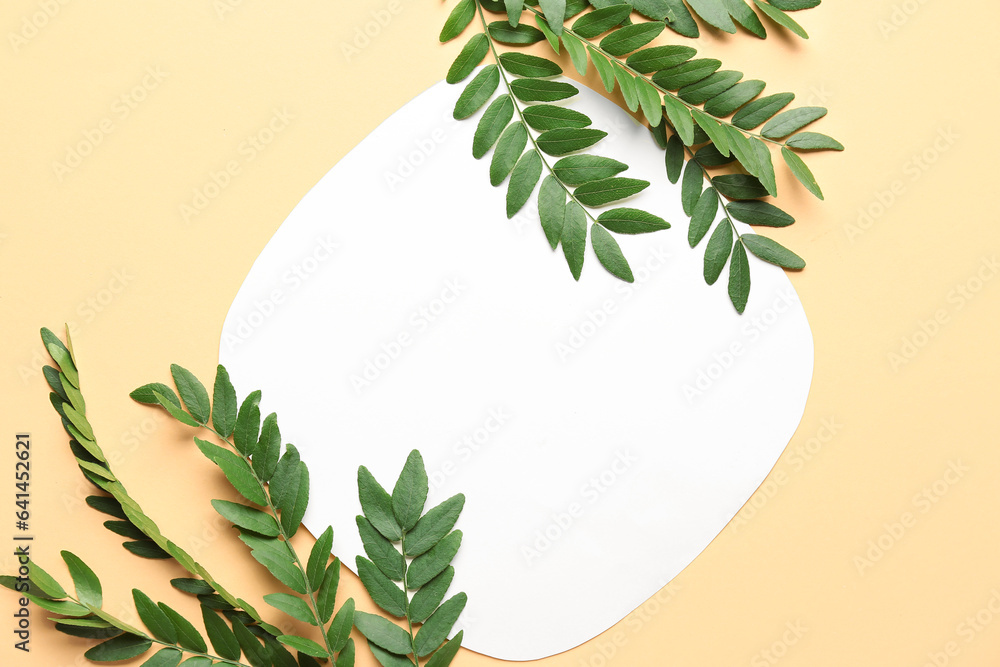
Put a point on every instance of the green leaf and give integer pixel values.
(192, 586)
(247, 424)
(107, 505)
(293, 510)
(543, 117)
(53, 378)
(541, 90)
(568, 139)
(445, 654)
(284, 486)
(122, 647)
(424, 568)
(609, 253)
(327, 595)
(64, 607)
(764, 169)
(382, 632)
(758, 111)
(268, 448)
(292, 605)
(745, 16)
(680, 118)
(552, 38)
(382, 591)
(388, 658)
(514, 9)
(607, 190)
(555, 13)
(594, 23)
(223, 403)
(627, 84)
(427, 599)
(658, 58)
(146, 549)
(732, 99)
(795, 5)
(739, 186)
(714, 13)
(523, 179)
(631, 37)
(340, 628)
(759, 213)
(199, 661)
(377, 505)
(631, 221)
(739, 278)
(525, 64)
(175, 411)
(813, 141)
(318, 558)
(686, 73)
(73, 395)
(154, 618)
(458, 20)
(63, 625)
(717, 251)
(710, 86)
(257, 655)
(604, 69)
(432, 526)
(146, 394)
(468, 58)
(508, 150)
(62, 357)
(703, 216)
(303, 645)
(791, 121)
(574, 237)
(482, 86)
(496, 117)
(801, 172)
(551, 209)
(187, 635)
(45, 583)
(98, 470)
(239, 474)
(346, 657)
(649, 100)
(223, 640)
(380, 550)
(580, 169)
(436, 628)
(247, 518)
(88, 586)
(522, 35)
(577, 52)
(781, 18)
(674, 158)
(773, 252)
(192, 392)
(691, 187)
(713, 129)
(79, 421)
(277, 557)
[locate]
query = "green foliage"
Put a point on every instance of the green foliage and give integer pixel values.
(697, 111)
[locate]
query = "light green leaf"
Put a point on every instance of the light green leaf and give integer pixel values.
(781, 18)
(580, 169)
(627, 84)
(717, 251)
(62, 357)
(773, 252)
(680, 118)
(574, 237)
(658, 58)
(555, 14)
(801, 172)
(468, 58)
(377, 505)
(122, 647)
(813, 141)
(527, 65)
(739, 278)
(303, 645)
(458, 20)
(388, 658)
(551, 209)
(594, 23)
(514, 9)
(577, 52)
(424, 568)
(276, 556)
(247, 518)
(496, 117)
(146, 394)
(764, 168)
(166, 657)
(44, 582)
(340, 628)
(436, 628)
(382, 632)
(745, 16)
(607, 190)
(604, 69)
(679, 19)
(319, 555)
(427, 599)
(523, 179)
(482, 86)
(791, 121)
(714, 13)
(381, 590)
(552, 38)
(609, 253)
(758, 111)
(508, 151)
(88, 586)
(649, 100)
(703, 216)
(292, 605)
(759, 213)
(713, 129)
(154, 618)
(543, 117)
(64, 607)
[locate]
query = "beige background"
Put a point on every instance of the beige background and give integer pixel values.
(790, 560)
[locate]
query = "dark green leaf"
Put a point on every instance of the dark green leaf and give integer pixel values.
(508, 151)
(122, 647)
(385, 556)
(758, 111)
(686, 73)
(550, 117)
(552, 38)
(763, 167)
(494, 120)
(424, 568)
(436, 628)
(703, 216)
(247, 424)
(284, 486)
(327, 595)
(468, 58)
(427, 599)
(192, 586)
(276, 556)
(445, 654)
(175, 411)
(732, 99)
(717, 251)
(691, 187)
(292, 605)
(192, 392)
(773, 252)
(64, 607)
(745, 16)
(674, 158)
(303, 645)
(62, 357)
(102, 632)
(522, 180)
(53, 378)
(709, 87)
(247, 518)
(739, 278)
(293, 511)
(145, 394)
(340, 628)
(781, 18)
(433, 526)
(154, 618)
(542, 90)
(577, 52)
(268, 448)
(525, 64)
(795, 5)
(457, 21)
(607, 190)
(580, 169)
(187, 635)
(592, 24)
(609, 253)
(388, 658)
(574, 237)
(146, 549)
(42, 580)
(223, 403)
(223, 640)
(551, 209)
(739, 186)
(631, 37)
(568, 140)
(521, 35)
(382, 632)
(709, 156)
(257, 655)
(791, 121)
(239, 474)
(88, 586)
(631, 221)
(813, 141)
(679, 19)
(382, 591)
(482, 86)
(377, 505)
(658, 58)
(801, 172)
(759, 213)
(714, 13)
(319, 556)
